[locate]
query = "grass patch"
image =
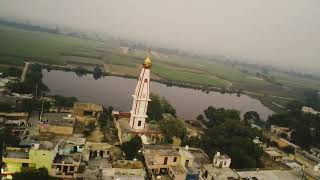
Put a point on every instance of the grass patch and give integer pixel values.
(187, 77)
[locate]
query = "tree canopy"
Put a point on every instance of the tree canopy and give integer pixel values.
(157, 106)
(172, 127)
(32, 84)
(38, 174)
(220, 115)
(235, 139)
(227, 134)
(97, 73)
(251, 117)
(131, 148)
(64, 102)
(305, 126)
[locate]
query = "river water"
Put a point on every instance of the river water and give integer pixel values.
(117, 92)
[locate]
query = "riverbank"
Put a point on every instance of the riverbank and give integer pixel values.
(169, 83)
(266, 100)
(117, 91)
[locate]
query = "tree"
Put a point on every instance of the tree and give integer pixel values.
(97, 73)
(12, 72)
(32, 84)
(80, 71)
(157, 106)
(294, 106)
(35, 104)
(250, 117)
(167, 107)
(192, 141)
(235, 139)
(312, 99)
(64, 102)
(301, 123)
(90, 127)
(131, 148)
(200, 117)
(302, 135)
(154, 111)
(38, 174)
(220, 115)
(172, 127)
(5, 107)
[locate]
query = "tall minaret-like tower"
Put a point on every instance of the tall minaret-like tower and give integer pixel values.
(141, 97)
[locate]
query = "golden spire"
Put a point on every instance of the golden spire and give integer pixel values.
(147, 62)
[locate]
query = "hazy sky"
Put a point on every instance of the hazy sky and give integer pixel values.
(271, 31)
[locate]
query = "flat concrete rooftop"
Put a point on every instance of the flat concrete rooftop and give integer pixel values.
(16, 153)
(126, 164)
(272, 174)
(58, 119)
(162, 150)
(125, 127)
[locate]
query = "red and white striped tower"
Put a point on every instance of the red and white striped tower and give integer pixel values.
(141, 97)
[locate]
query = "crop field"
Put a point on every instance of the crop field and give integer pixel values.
(19, 45)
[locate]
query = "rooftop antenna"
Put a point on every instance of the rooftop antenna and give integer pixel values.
(41, 112)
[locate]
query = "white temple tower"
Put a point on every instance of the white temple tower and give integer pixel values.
(141, 97)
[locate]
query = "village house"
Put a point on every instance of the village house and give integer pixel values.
(125, 169)
(41, 154)
(281, 131)
(219, 169)
(66, 163)
(163, 161)
(67, 166)
(57, 123)
(307, 159)
(274, 155)
(192, 160)
(311, 173)
(87, 110)
(309, 110)
(274, 174)
(315, 152)
(16, 118)
(150, 134)
(94, 150)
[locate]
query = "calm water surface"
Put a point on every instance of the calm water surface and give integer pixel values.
(117, 92)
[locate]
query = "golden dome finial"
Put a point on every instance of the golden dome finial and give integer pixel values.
(147, 62)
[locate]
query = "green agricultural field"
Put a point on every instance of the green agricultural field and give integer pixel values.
(18, 46)
(173, 74)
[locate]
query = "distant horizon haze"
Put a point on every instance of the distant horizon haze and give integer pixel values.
(282, 33)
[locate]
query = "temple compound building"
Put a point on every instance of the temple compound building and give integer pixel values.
(136, 125)
(88, 110)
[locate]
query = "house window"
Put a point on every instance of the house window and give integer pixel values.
(101, 153)
(71, 168)
(108, 152)
(139, 123)
(25, 165)
(65, 169)
(165, 161)
(186, 163)
(205, 174)
(175, 159)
